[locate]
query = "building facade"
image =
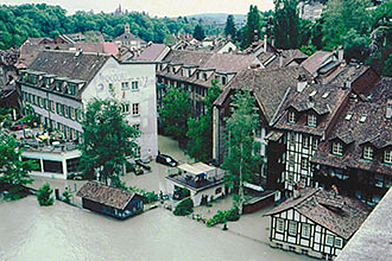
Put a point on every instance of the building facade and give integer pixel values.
(59, 85)
(316, 222)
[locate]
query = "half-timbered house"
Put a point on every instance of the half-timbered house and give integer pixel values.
(316, 222)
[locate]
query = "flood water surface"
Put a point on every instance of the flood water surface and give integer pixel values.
(62, 232)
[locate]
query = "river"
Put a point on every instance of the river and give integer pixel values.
(62, 232)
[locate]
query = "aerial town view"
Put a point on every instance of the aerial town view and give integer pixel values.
(195, 130)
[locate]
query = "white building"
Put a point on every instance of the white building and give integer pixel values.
(201, 182)
(59, 85)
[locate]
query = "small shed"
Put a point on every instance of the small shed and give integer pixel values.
(115, 202)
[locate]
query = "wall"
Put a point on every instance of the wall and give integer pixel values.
(114, 73)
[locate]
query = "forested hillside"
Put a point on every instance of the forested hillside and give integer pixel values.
(41, 20)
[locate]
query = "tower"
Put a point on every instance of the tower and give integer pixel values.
(126, 28)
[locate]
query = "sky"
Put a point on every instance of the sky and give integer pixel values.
(170, 8)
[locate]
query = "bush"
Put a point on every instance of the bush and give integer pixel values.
(149, 197)
(67, 196)
(221, 217)
(44, 195)
(184, 208)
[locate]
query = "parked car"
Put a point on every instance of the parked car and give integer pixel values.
(166, 160)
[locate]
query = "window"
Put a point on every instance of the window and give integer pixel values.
(135, 109)
(312, 120)
(388, 156)
(224, 80)
(124, 85)
(57, 108)
(135, 85)
(306, 230)
(338, 242)
(305, 163)
(292, 228)
(337, 148)
(292, 118)
(218, 191)
(205, 76)
(126, 108)
(368, 153)
(279, 225)
(137, 126)
(329, 240)
(305, 141)
(291, 160)
(72, 113)
(292, 138)
(315, 143)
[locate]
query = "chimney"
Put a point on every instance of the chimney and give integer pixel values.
(302, 83)
(297, 190)
(340, 54)
(265, 43)
(388, 114)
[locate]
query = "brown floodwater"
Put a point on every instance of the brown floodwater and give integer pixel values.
(62, 232)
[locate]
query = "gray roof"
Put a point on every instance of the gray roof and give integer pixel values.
(152, 52)
(68, 64)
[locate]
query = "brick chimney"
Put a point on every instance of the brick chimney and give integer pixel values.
(265, 43)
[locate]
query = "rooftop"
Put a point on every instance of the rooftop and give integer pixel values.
(106, 195)
(341, 215)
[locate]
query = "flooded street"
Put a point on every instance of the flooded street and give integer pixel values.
(62, 232)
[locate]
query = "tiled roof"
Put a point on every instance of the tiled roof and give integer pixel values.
(152, 52)
(324, 100)
(270, 86)
(344, 73)
(287, 57)
(315, 61)
(339, 214)
(67, 64)
(106, 195)
(188, 57)
(375, 129)
(127, 36)
(229, 62)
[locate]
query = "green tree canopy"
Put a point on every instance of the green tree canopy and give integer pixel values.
(175, 112)
(287, 24)
(199, 32)
(13, 170)
(230, 29)
(252, 26)
(200, 130)
(107, 140)
(240, 160)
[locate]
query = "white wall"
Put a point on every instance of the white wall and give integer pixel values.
(115, 73)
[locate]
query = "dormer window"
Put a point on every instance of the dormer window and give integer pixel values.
(224, 80)
(292, 117)
(312, 120)
(58, 86)
(388, 156)
(337, 148)
(368, 153)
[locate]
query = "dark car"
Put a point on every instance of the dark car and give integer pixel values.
(166, 160)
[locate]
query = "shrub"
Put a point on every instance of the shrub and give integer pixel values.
(184, 208)
(67, 196)
(44, 195)
(149, 197)
(222, 217)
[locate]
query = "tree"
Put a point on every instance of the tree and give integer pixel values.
(108, 140)
(252, 26)
(199, 32)
(287, 24)
(175, 112)
(230, 27)
(44, 195)
(14, 172)
(200, 131)
(240, 160)
(341, 16)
